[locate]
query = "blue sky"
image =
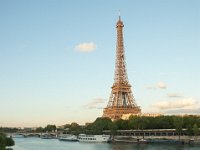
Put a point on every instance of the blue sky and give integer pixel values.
(57, 58)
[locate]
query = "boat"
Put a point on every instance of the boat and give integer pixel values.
(68, 137)
(93, 138)
(143, 141)
(48, 136)
(135, 141)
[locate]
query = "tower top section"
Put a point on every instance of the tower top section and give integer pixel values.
(119, 22)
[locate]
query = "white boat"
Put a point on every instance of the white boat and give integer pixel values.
(93, 138)
(138, 141)
(68, 137)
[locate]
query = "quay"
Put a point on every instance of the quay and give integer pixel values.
(156, 135)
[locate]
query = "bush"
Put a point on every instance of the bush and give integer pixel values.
(9, 142)
(2, 141)
(5, 141)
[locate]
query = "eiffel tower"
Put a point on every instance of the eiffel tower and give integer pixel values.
(121, 100)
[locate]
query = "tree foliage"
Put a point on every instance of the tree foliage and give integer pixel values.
(5, 141)
(195, 130)
(99, 125)
(2, 140)
(9, 141)
(39, 129)
(8, 130)
(141, 123)
(50, 128)
(178, 124)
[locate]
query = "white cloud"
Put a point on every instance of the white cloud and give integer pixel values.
(86, 47)
(174, 95)
(95, 104)
(183, 111)
(186, 103)
(161, 85)
(149, 87)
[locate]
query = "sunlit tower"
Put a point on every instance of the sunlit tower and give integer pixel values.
(121, 100)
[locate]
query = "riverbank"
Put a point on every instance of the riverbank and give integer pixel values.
(159, 139)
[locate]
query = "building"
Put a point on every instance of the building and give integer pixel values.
(121, 100)
(126, 116)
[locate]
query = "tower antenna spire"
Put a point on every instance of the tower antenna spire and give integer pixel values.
(119, 14)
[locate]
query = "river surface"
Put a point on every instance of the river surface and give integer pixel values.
(54, 144)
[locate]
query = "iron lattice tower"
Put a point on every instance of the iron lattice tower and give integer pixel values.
(121, 100)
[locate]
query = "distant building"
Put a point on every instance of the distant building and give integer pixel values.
(126, 116)
(29, 129)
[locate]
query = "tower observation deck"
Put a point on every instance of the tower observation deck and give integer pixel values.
(121, 100)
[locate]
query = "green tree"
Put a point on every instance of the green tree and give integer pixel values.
(67, 126)
(166, 122)
(153, 123)
(2, 140)
(113, 128)
(50, 128)
(188, 122)
(9, 141)
(8, 130)
(100, 124)
(178, 123)
(134, 122)
(139, 122)
(198, 121)
(75, 128)
(5, 141)
(189, 129)
(122, 124)
(195, 130)
(39, 129)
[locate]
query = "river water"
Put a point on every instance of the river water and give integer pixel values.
(54, 144)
